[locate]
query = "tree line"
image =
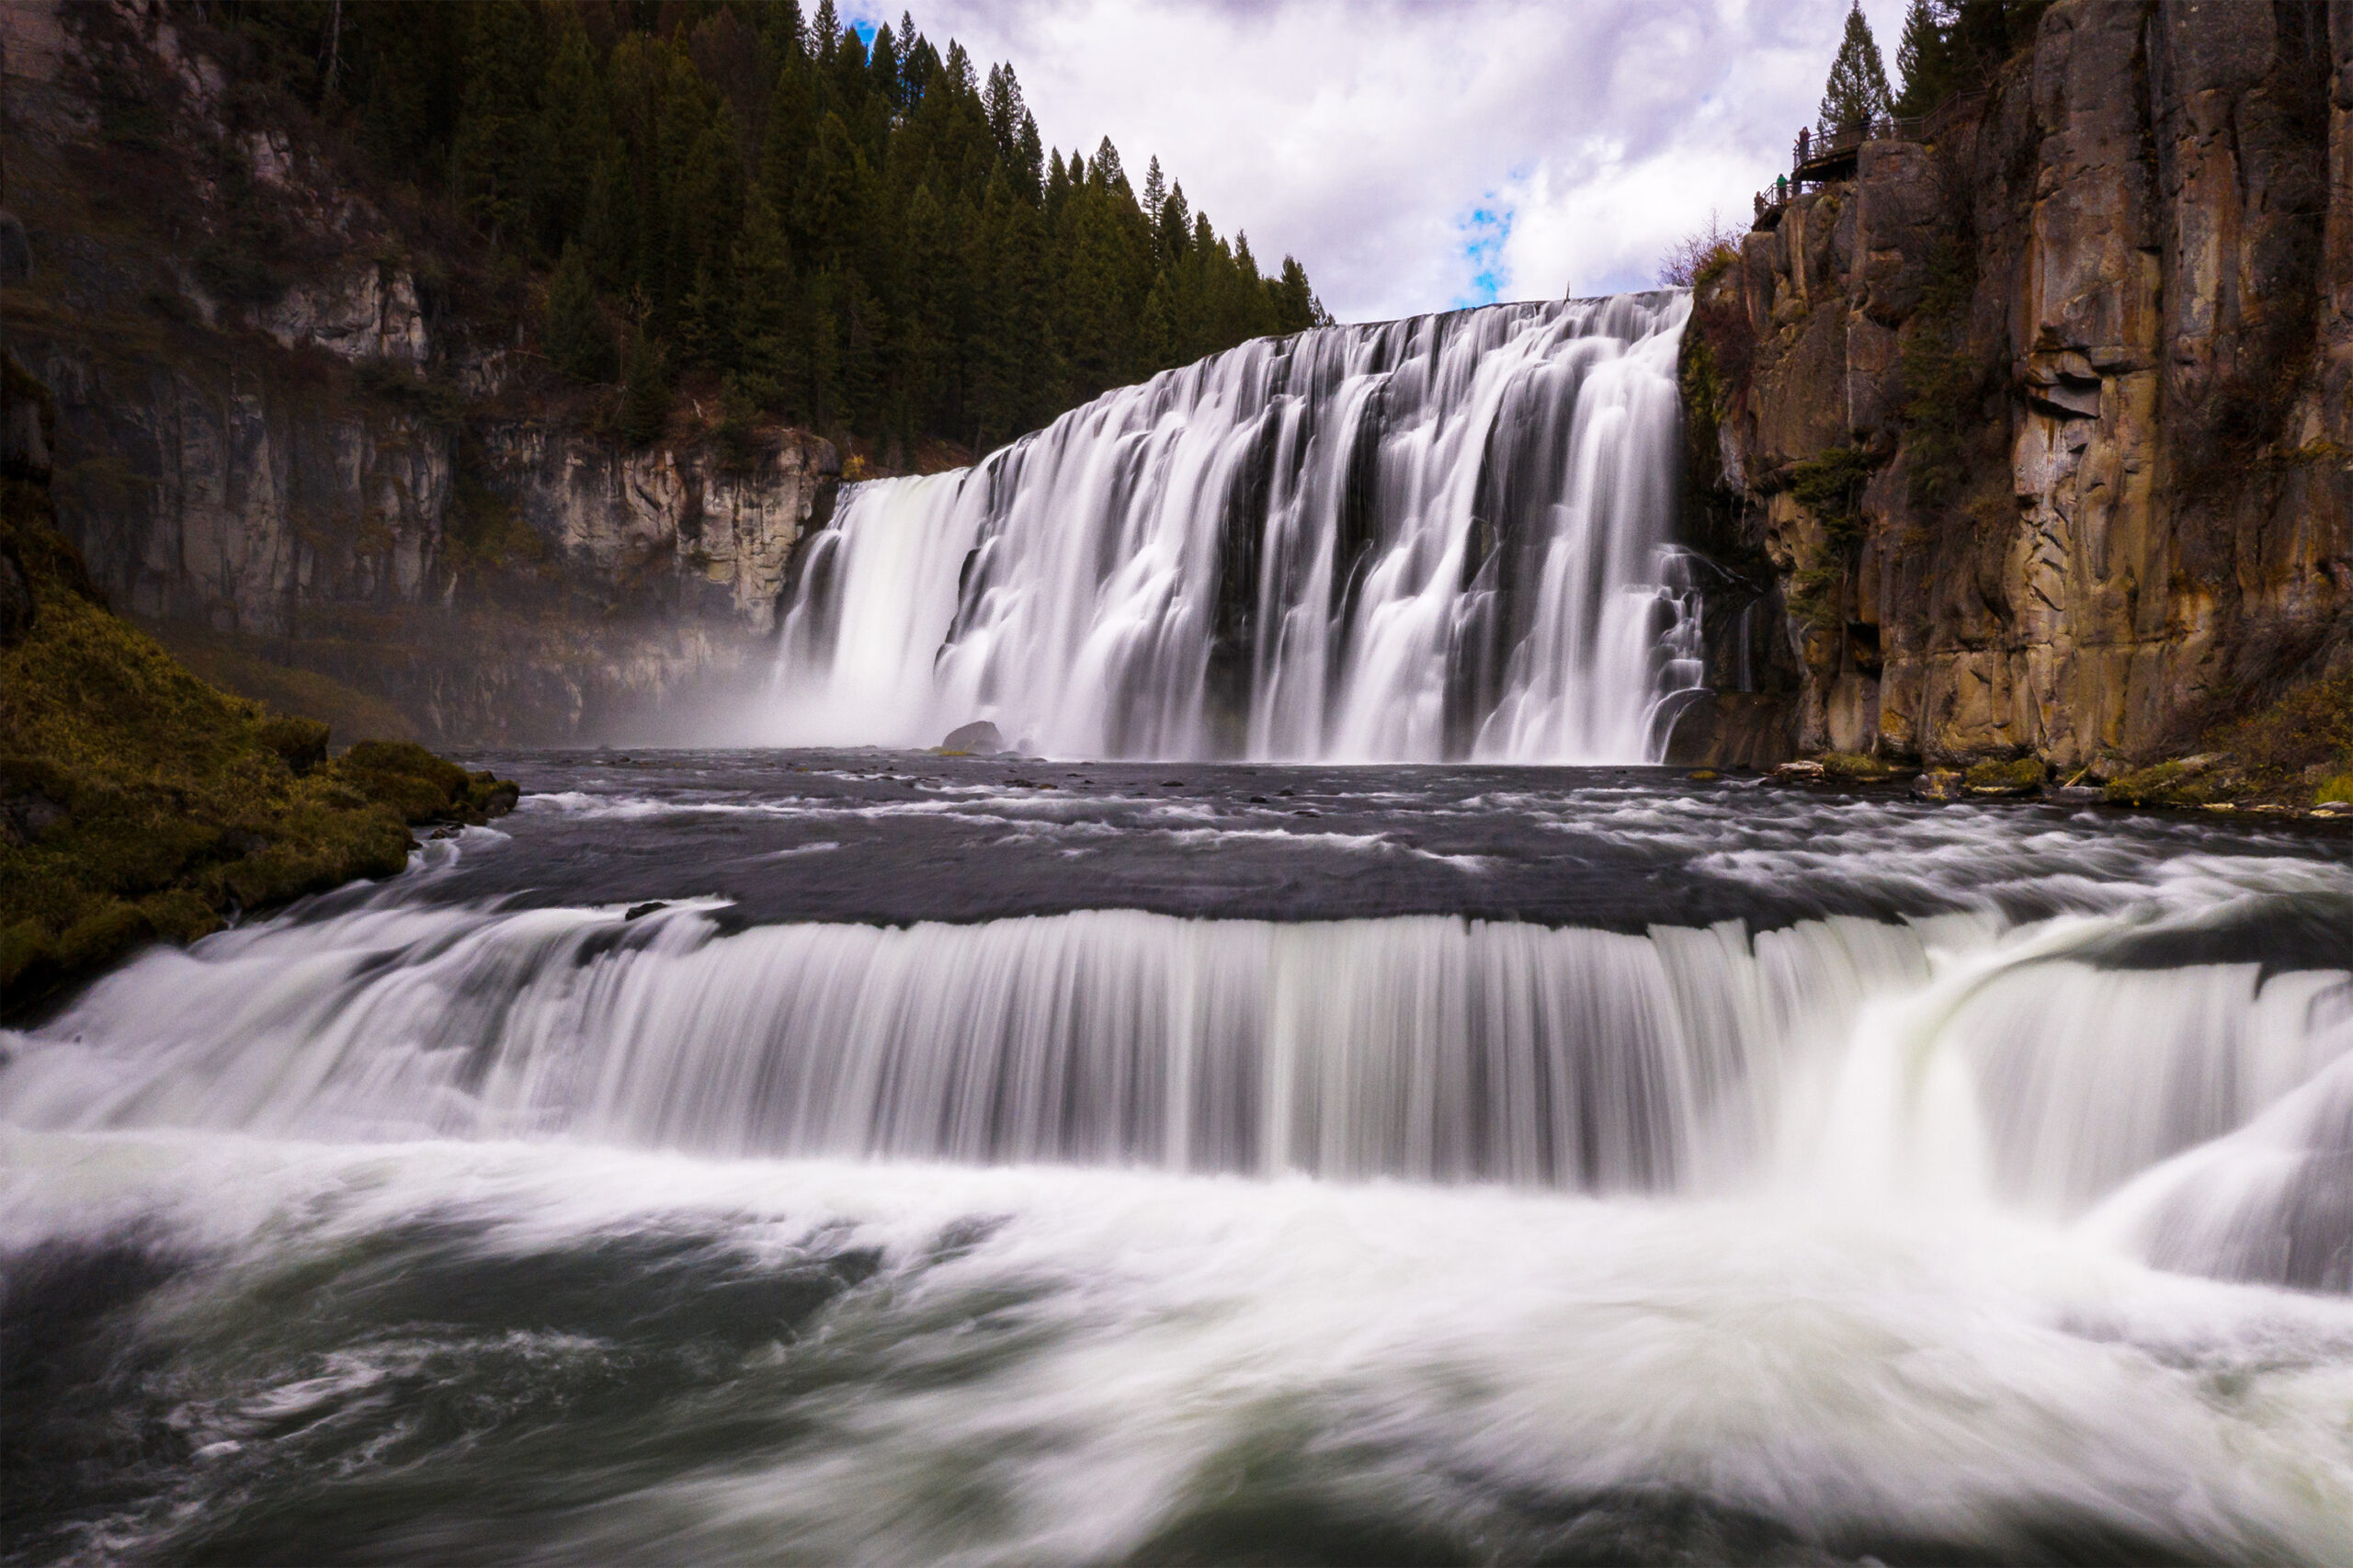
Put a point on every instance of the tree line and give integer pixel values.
(859, 234)
(1947, 47)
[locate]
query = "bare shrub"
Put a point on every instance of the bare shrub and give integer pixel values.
(1700, 254)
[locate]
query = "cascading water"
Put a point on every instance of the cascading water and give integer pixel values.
(869, 1158)
(1445, 536)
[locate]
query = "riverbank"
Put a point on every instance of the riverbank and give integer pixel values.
(137, 802)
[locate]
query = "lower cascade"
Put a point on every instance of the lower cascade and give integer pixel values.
(1439, 538)
(870, 1157)
(1930, 1058)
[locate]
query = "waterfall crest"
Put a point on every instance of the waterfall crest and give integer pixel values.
(1942, 1057)
(1439, 538)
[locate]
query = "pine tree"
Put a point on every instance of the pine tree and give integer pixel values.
(1925, 58)
(882, 68)
(707, 321)
(1002, 102)
(578, 342)
(866, 333)
(828, 214)
(1176, 221)
(926, 318)
(645, 395)
(1857, 93)
(1156, 332)
(824, 377)
(490, 151)
(1034, 372)
(606, 234)
(1057, 190)
(784, 149)
(1028, 159)
(1106, 172)
(889, 253)
(1155, 189)
(1092, 318)
(767, 329)
(572, 136)
(1297, 308)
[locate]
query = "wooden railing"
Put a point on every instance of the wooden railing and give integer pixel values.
(1812, 157)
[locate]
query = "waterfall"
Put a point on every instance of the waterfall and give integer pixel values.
(1429, 1047)
(1439, 538)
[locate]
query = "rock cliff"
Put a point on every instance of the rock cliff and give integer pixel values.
(2044, 421)
(297, 421)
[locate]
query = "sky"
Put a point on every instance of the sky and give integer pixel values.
(1422, 157)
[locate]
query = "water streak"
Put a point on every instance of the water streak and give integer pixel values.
(1944, 1058)
(1439, 538)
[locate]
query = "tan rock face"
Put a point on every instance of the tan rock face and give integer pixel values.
(723, 536)
(331, 472)
(369, 313)
(2099, 341)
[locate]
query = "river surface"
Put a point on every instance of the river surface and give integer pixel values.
(874, 1157)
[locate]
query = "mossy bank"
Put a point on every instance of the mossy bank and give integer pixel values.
(137, 802)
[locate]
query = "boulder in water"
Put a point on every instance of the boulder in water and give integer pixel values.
(979, 738)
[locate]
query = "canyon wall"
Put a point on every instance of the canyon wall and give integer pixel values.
(2045, 421)
(298, 432)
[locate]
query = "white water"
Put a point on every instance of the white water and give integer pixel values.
(482, 1233)
(1436, 537)
(1945, 1060)
(1114, 1352)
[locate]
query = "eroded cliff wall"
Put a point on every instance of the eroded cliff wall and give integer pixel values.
(298, 428)
(2045, 422)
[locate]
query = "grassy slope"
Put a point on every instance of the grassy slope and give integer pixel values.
(2296, 751)
(136, 800)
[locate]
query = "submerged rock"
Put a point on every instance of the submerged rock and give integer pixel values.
(979, 738)
(1937, 784)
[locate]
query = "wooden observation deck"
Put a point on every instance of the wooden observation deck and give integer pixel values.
(1818, 160)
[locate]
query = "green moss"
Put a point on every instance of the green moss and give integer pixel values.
(1815, 593)
(1943, 385)
(485, 532)
(437, 403)
(2023, 774)
(1830, 486)
(2184, 781)
(2303, 735)
(137, 802)
(241, 664)
(2335, 790)
(1854, 765)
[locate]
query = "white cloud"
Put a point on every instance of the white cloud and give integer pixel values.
(1365, 138)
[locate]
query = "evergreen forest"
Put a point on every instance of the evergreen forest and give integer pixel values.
(860, 235)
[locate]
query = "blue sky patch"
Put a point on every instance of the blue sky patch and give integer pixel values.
(1483, 231)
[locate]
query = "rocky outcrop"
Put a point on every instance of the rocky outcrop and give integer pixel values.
(288, 417)
(723, 532)
(2046, 421)
(370, 313)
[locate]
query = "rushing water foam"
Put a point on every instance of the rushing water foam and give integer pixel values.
(1944, 1059)
(1436, 537)
(744, 1158)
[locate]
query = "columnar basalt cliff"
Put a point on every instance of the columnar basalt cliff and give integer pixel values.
(295, 428)
(2045, 422)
